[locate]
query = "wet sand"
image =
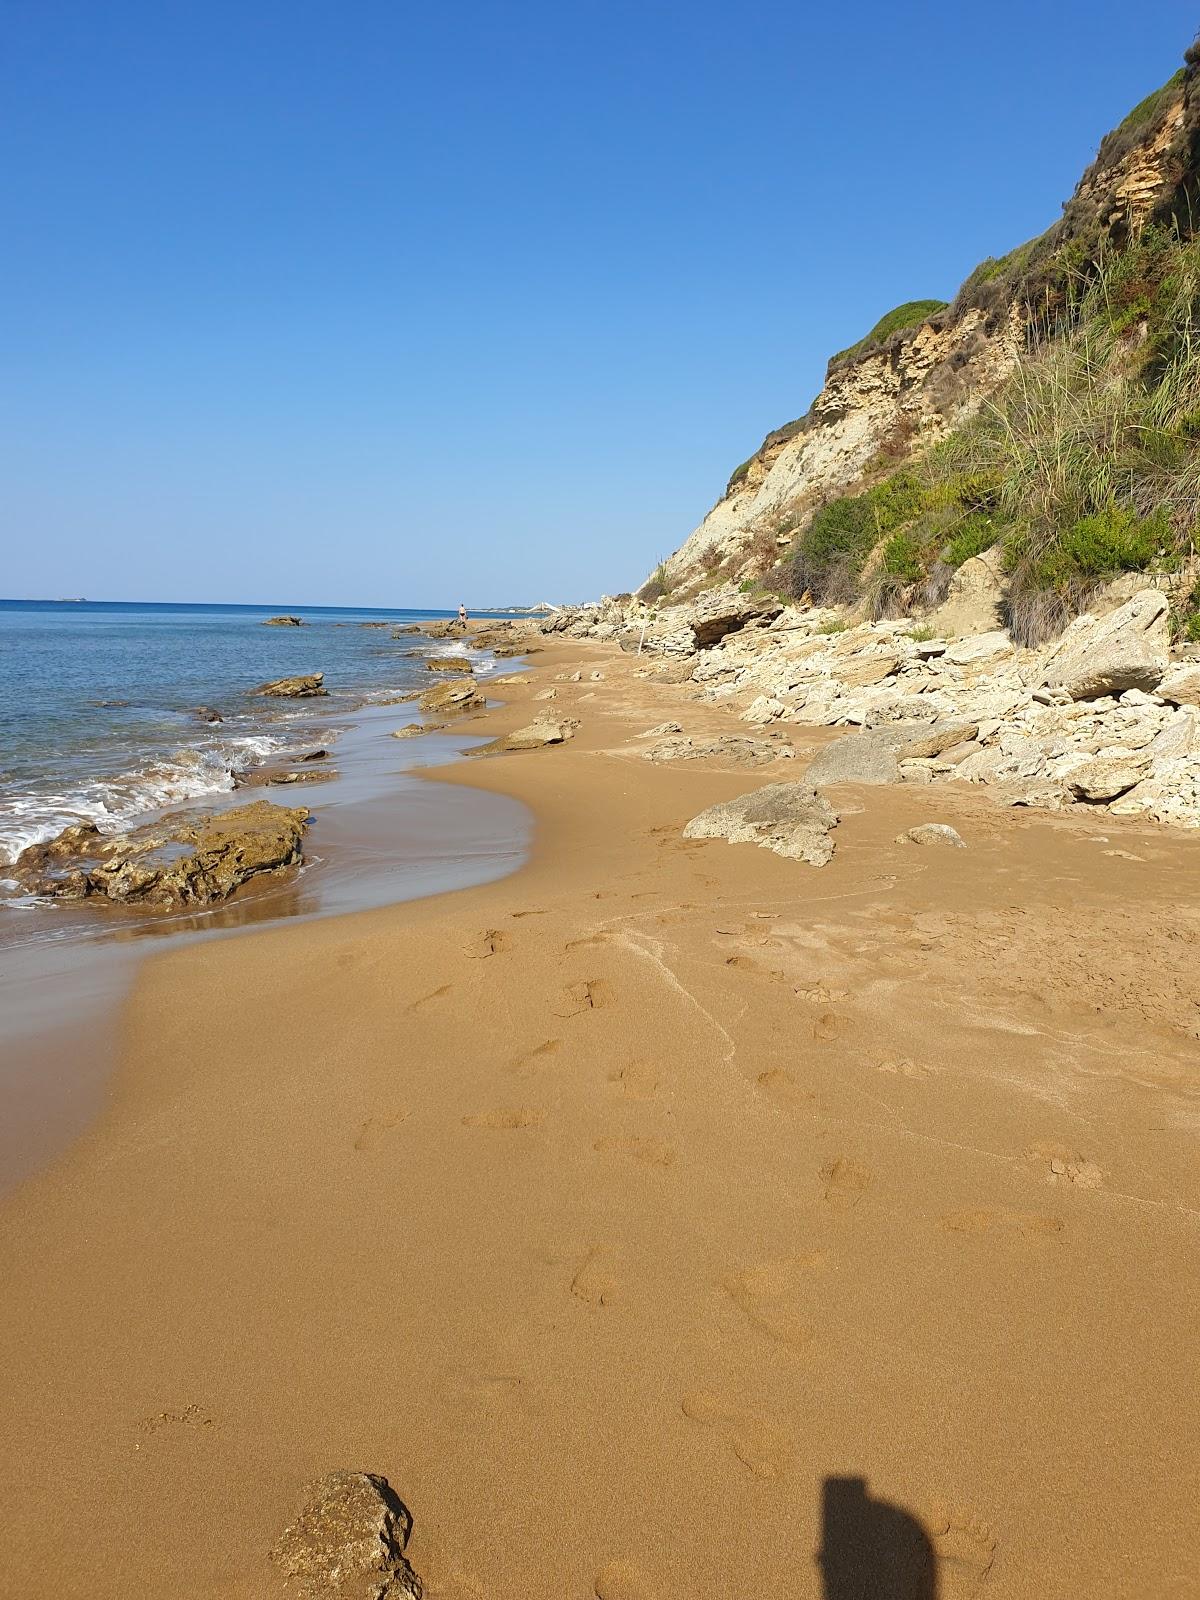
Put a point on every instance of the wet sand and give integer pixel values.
(616, 1209)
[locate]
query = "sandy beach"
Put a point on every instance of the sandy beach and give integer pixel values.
(613, 1209)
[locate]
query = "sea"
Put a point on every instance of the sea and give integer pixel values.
(103, 704)
(99, 721)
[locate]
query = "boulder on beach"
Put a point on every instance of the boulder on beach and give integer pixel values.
(302, 687)
(458, 664)
(456, 694)
(546, 730)
(859, 758)
(791, 819)
(284, 622)
(1128, 649)
(182, 860)
(348, 1541)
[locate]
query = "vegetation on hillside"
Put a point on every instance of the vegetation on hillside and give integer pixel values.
(1085, 464)
(909, 315)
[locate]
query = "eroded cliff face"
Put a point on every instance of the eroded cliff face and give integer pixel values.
(886, 405)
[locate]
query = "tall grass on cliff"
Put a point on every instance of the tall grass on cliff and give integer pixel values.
(1094, 442)
(1085, 464)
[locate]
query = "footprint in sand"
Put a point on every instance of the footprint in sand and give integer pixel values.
(763, 1449)
(637, 1081)
(822, 995)
(594, 1283)
(533, 1060)
(434, 994)
(533, 913)
(775, 1298)
(781, 1086)
(190, 1417)
(904, 1068)
(1028, 1224)
(846, 1182)
(649, 1152)
(829, 1025)
(1064, 1165)
(491, 942)
(623, 1580)
(747, 964)
(591, 994)
(587, 941)
(512, 1117)
(965, 1548)
(375, 1130)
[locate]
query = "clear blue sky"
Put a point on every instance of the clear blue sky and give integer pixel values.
(393, 304)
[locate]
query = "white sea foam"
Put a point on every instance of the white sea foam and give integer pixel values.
(115, 802)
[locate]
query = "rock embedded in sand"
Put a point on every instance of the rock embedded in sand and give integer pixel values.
(178, 861)
(932, 833)
(1128, 649)
(791, 819)
(734, 747)
(546, 730)
(348, 1542)
(456, 694)
(302, 687)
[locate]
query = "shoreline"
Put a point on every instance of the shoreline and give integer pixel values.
(610, 1207)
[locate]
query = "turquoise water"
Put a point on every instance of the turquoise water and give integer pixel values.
(97, 701)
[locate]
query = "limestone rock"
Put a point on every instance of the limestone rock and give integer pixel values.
(414, 730)
(726, 747)
(859, 758)
(981, 647)
(660, 730)
(456, 694)
(972, 603)
(1181, 686)
(284, 622)
(1106, 777)
(302, 687)
(458, 664)
(942, 736)
(186, 859)
(932, 833)
(791, 819)
(1128, 649)
(546, 730)
(725, 611)
(348, 1542)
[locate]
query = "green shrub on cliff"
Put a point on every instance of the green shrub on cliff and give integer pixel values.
(908, 315)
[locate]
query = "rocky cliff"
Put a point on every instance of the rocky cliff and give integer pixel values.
(889, 397)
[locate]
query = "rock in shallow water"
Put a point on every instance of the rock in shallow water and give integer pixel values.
(303, 687)
(348, 1542)
(791, 819)
(185, 860)
(456, 694)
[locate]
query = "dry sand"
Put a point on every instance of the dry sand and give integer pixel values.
(612, 1209)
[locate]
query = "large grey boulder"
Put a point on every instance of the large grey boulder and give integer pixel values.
(859, 758)
(1128, 649)
(348, 1542)
(791, 819)
(1106, 777)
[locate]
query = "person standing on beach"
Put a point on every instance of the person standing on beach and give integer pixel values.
(462, 615)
